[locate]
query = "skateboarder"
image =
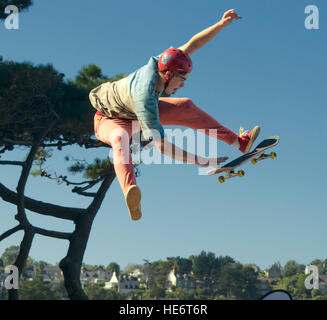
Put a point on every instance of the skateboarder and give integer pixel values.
(136, 98)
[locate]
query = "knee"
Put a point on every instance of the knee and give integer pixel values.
(117, 140)
(120, 147)
(186, 103)
(120, 138)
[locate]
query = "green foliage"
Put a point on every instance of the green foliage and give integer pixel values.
(181, 265)
(294, 285)
(37, 289)
(204, 265)
(113, 267)
(207, 265)
(97, 169)
(96, 291)
(92, 267)
(292, 268)
(157, 292)
(321, 264)
(249, 283)
(315, 293)
(193, 294)
(91, 76)
(113, 294)
(29, 94)
(9, 255)
(161, 281)
(41, 156)
(229, 282)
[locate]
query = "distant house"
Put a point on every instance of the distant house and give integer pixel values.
(205, 284)
(178, 280)
(94, 276)
(323, 282)
(275, 271)
(137, 273)
(29, 273)
(113, 283)
(52, 273)
(125, 283)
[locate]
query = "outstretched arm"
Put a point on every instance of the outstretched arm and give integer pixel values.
(201, 38)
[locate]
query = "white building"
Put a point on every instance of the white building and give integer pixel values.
(275, 271)
(178, 280)
(124, 283)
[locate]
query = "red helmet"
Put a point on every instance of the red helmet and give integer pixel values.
(174, 60)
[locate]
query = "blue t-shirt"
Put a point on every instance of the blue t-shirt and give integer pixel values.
(133, 97)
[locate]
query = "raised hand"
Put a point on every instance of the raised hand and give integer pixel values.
(229, 16)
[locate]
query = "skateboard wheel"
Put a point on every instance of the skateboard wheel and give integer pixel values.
(241, 173)
(254, 161)
(273, 155)
(221, 179)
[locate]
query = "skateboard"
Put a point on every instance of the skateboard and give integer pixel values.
(254, 156)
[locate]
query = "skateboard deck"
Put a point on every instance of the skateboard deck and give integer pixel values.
(254, 156)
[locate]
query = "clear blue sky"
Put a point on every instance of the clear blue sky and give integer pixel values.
(265, 69)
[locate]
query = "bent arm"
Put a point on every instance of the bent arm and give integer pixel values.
(172, 151)
(169, 149)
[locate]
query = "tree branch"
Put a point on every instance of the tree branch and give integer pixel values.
(13, 163)
(96, 203)
(41, 207)
(53, 234)
(21, 217)
(10, 232)
(85, 194)
(24, 250)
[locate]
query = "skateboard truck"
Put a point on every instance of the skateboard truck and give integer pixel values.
(231, 174)
(272, 155)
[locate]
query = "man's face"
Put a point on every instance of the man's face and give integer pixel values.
(176, 82)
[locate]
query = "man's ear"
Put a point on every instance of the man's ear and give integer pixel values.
(171, 74)
(168, 73)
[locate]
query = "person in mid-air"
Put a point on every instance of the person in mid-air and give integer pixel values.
(136, 98)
